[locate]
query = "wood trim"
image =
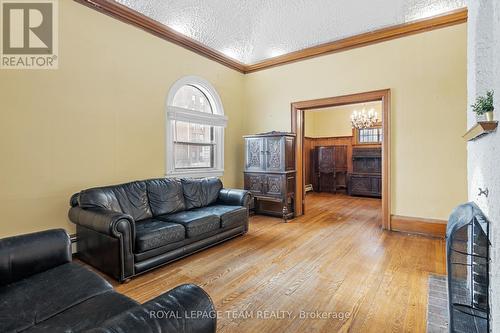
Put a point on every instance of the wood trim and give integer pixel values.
(440, 21)
(386, 160)
(127, 15)
(366, 97)
(300, 194)
(327, 137)
(420, 226)
(297, 127)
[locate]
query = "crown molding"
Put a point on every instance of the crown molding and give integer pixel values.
(377, 36)
(127, 15)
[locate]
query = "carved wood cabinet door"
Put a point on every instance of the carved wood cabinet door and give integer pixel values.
(326, 159)
(368, 185)
(255, 157)
(274, 185)
(274, 154)
(254, 182)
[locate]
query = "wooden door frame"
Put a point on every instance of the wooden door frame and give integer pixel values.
(298, 109)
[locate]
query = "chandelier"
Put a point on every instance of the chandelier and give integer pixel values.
(363, 119)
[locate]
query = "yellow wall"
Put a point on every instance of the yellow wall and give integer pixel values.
(336, 121)
(427, 76)
(99, 119)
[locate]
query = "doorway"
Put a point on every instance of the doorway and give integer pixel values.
(299, 110)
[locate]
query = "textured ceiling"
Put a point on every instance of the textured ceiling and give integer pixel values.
(253, 30)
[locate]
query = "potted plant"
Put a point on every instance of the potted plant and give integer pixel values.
(484, 105)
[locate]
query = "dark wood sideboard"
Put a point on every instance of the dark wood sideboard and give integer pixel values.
(366, 176)
(270, 172)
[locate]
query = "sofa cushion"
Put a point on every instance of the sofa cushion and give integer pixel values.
(99, 197)
(28, 302)
(133, 199)
(165, 196)
(151, 233)
(86, 315)
(200, 192)
(195, 222)
(230, 216)
(130, 198)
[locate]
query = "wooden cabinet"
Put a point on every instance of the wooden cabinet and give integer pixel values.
(323, 168)
(270, 172)
(368, 185)
(366, 178)
(270, 153)
(329, 168)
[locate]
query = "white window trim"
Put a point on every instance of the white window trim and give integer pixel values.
(217, 119)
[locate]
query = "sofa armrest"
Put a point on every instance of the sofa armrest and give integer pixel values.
(104, 234)
(184, 309)
(234, 197)
(25, 255)
(102, 220)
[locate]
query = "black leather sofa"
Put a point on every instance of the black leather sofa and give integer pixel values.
(128, 229)
(42, 290)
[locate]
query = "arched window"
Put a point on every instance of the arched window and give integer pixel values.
(195, 129)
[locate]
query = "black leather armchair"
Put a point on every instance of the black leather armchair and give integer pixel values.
(181, 302)
(41, 290)
(23, 256)
(128, 229)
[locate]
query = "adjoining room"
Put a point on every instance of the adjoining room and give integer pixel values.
(343, 152)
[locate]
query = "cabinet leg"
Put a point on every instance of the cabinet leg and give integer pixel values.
(285, 213)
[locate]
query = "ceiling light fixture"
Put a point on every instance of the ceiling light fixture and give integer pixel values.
(363, 119)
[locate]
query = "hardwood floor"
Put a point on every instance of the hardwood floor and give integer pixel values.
(335, 260)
